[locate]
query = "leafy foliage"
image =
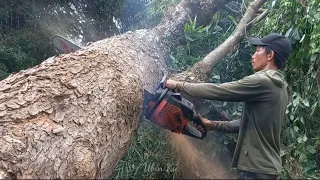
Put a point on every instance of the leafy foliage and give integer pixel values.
(201, 40)
(13, 59)
(142, 14)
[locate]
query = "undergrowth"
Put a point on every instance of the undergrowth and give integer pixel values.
(150, 156)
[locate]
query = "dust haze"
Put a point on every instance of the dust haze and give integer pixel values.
(198, 160)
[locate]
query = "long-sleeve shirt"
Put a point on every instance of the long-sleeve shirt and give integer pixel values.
(265, 96)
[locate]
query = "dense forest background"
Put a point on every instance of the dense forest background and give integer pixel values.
(26, 27)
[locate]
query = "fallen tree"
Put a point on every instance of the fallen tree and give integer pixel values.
(74, 116)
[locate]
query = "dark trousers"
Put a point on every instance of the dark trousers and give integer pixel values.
(251, 175)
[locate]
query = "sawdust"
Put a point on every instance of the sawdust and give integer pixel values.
(198, 160)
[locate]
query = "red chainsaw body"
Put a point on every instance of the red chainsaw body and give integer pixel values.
(169, 117)
(171, 111)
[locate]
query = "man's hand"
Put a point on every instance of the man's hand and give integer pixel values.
(171, 84)
(206, 123)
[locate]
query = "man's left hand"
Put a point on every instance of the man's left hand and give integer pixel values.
(206, 123)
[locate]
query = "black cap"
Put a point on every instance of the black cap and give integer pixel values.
(280, 45)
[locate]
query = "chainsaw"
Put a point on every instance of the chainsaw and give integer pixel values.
(64, 45)
(169, 110)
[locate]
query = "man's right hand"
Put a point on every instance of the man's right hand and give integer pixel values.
(171, 84)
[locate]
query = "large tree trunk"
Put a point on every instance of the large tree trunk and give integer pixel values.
(71, 118)
(74, 117)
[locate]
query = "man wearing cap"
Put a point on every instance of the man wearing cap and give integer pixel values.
(257, 153)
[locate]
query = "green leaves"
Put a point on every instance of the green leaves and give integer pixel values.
(310, 166)
(14, 59)
(193, 33)
(302, 139)
(311, 149)
(306, 103)
(200, 40)
(273, 3)
(233, 19)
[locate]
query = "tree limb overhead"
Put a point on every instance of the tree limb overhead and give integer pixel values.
(201, 70)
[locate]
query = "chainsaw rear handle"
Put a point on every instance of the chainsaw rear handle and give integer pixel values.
(198, 122)
(199, 134)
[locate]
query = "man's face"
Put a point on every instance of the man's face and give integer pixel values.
(259, 59)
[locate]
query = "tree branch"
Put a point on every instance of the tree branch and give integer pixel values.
(258, 19)
(261, 11)
(171, 28)
(203, 68)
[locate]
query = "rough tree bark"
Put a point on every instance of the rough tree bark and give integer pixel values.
(74, 117)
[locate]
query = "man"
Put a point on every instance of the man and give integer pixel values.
(257, 154)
